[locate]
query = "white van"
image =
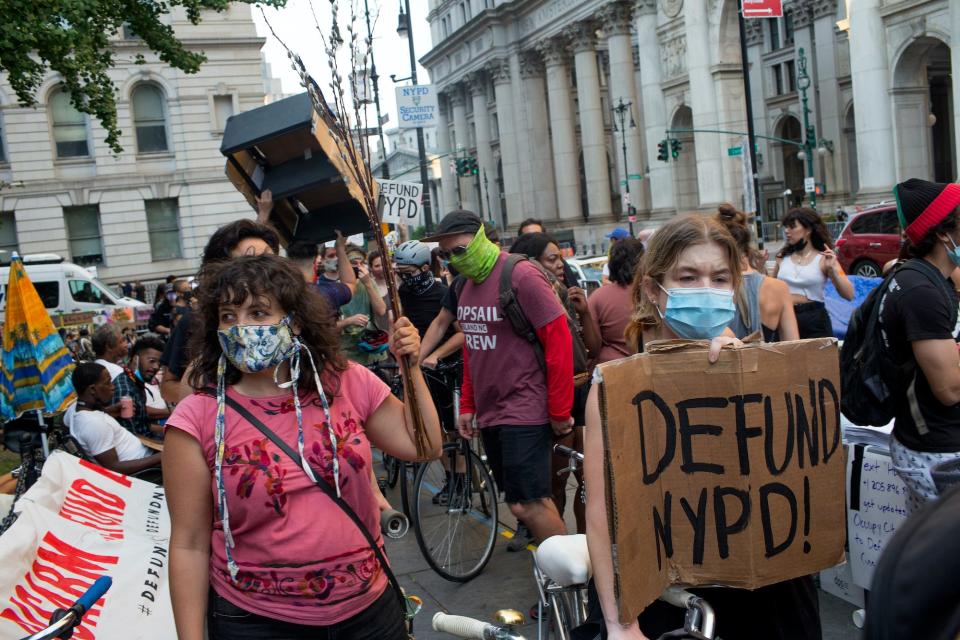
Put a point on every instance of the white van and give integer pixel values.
(63, 286)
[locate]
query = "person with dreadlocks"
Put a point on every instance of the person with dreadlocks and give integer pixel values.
(268, 456)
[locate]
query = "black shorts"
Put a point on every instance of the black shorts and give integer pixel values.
(519, 456)
(813, 321)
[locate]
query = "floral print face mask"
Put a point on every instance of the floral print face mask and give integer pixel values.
(255, 347)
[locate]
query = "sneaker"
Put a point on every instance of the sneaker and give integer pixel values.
(520, 539)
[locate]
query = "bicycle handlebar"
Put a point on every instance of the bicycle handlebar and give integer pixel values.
(567, 452)
(471, 628)
(74, 615)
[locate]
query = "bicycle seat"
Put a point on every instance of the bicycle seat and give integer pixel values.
(565, 559)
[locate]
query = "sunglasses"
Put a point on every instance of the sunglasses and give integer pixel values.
(456, 251)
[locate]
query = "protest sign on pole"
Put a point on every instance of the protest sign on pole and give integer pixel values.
(730, 473)
(80, 522)
(400, 202)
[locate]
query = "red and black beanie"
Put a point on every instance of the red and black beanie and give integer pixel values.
(922, 205)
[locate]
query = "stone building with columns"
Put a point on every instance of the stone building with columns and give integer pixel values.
(529, 87)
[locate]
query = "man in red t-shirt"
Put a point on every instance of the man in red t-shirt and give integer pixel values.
(518, 407)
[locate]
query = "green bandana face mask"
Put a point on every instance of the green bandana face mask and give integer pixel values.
(477, 261)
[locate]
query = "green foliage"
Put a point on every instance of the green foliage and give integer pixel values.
(72, 38)
(418, 232)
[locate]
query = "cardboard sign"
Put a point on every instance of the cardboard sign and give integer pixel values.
(877, 508)
(400, 202)
(730, 473)
(77, 523)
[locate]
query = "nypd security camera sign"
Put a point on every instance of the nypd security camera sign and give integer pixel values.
(417, 106)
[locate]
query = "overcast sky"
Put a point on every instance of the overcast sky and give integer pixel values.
(295, 25)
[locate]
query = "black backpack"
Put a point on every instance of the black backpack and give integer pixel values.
(867, 368)
(521, 325)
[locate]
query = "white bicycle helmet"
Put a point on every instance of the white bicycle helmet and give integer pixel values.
(412, 252)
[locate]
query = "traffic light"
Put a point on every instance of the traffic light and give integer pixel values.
(463, 167)
(675, 147)
(662, 151)
(472, 168)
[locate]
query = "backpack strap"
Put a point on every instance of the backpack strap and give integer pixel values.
(510, 307)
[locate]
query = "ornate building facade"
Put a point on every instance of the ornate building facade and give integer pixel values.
(530, 87)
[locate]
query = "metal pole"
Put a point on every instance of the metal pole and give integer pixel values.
(620, 110)
(810, 135)
(751, 134)
(374, 78)
(476, 183)
(421, 150)
(486, 187)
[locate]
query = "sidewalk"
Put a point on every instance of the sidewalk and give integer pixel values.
(507, 583)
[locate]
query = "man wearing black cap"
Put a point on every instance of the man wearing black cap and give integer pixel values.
(518, 406)
(919, 321)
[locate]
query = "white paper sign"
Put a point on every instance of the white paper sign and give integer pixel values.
(77, 523)
(809, 185)
(400, 202)
(876, 507)
(417, 106)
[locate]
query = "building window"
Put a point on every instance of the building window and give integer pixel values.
(222, 110)
(791, 73)
(3, 149)
(788, 28)
(8, 231)
(129, 33)
(69, 127)
(778, 80)
(774, 34)
(163, 224)
(463, 14)
(83, 234)
(149, 118)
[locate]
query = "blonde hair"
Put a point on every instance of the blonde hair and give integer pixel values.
(663, 251)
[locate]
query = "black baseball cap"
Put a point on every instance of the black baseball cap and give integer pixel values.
(455, 223)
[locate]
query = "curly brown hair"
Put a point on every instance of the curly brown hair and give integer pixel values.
(736, 222)
(809, 219)
(268, 276)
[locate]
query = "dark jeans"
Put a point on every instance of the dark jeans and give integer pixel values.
(382, 620)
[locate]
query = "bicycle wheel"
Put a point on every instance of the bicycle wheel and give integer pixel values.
(457, 532)
(392, 466)
(407, 475)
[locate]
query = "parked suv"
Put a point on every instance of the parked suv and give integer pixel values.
(870, 240)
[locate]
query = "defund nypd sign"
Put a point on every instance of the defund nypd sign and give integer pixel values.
(729, 474)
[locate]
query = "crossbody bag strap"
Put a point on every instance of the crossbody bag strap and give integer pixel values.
(326, 488)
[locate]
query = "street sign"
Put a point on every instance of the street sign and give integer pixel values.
(762, 8)
(809, 185)
(734, 151)
(634, 176)
(417, 106)
(631, 218)
(749, 195)
(400, 201)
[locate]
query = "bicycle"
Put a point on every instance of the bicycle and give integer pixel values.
(561, 568)
(455, 512)
(63, 621)
(397, 471)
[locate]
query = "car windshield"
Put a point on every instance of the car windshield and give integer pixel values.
(592, 269)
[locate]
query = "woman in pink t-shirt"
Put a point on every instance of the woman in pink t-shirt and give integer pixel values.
(257, 549)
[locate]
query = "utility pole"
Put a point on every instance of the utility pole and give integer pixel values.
(376, 94)
(405, 28)
(486, 187)
(751, 134)
(621, 112)
(809, 132)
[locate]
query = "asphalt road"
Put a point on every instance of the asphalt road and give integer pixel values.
(507, 583)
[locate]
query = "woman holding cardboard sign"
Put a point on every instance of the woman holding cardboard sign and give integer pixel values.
(686, 288)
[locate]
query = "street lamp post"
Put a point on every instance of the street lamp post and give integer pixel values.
(810, 133)
(405, 30)
(621, 112)
(374, 78)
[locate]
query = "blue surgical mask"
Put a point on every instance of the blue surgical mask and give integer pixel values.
(698, 313)
(953, 254)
